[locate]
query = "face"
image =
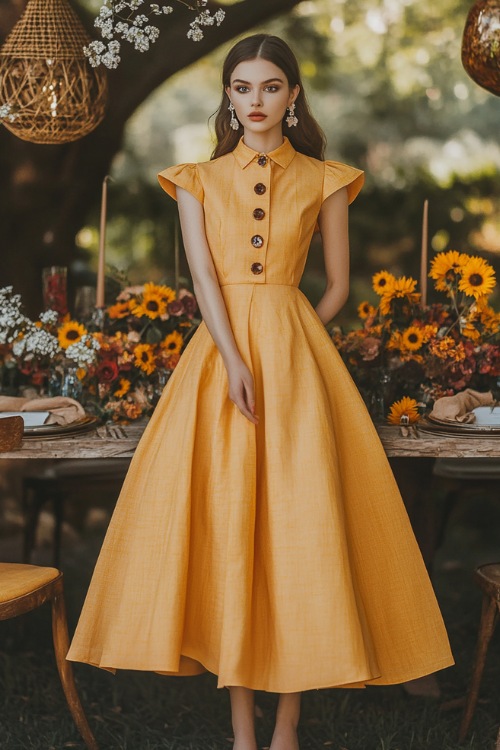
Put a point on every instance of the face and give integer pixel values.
(260, 93)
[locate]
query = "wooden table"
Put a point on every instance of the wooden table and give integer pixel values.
(98, 444)
(414, 478)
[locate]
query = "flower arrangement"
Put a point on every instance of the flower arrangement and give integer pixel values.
(404, 349)
(118, 371)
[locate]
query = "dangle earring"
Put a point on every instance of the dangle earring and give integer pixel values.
(234, 121)
(291, 119)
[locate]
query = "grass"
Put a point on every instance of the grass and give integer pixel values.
(142, 711)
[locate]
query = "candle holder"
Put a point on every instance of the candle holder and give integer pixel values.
(54, 289)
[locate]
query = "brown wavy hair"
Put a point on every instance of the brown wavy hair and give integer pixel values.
(307, 136)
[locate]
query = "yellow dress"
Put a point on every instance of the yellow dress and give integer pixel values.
(278, 556)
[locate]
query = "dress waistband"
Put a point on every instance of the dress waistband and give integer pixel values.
(255, 283)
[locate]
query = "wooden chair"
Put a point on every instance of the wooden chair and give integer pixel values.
(488, 579)
(26, 587)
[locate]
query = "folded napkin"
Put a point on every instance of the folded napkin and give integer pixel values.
(458, 408)
(63, 410)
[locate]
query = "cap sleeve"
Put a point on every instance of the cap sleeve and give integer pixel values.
(338, 175)
(185, 176)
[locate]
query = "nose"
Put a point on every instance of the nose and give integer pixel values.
(256, 98)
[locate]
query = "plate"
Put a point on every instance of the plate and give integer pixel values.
(30, 418)
(487, 415)
(88, 422)
(453, 429)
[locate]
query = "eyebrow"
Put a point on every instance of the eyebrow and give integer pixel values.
(269, 80)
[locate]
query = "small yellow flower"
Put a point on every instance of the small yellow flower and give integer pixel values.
(70, 332)
(478, 278)
(404, 411)
(144, 358)
(412, 338)
(382, 282)
(365, 310)
(123, 389)
(172, 342)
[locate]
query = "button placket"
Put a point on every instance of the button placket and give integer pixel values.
(259, 241)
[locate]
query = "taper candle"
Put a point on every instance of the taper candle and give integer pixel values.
(424, 254)
(101, 266)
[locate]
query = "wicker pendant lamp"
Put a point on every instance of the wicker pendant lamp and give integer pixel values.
(46, 78)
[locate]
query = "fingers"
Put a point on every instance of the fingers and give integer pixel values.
(245, 401)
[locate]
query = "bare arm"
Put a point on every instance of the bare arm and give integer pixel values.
(211, 302)
(333, 223)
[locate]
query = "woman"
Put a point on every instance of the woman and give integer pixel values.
(259, 533)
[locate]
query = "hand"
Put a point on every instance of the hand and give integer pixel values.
(241, 389)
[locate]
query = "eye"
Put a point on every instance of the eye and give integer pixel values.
(240, 87)
(272, 87)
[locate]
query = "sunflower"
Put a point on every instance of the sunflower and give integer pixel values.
(119, 310)
(144, 358)
(446, 267)
(399, 288)
(172, 343)
(412, 338)
(478, 278)
(152, 305)
(70, 332)
(404, 411)
(382, 282)
(365, 310)
(165, 292)
(123, 389)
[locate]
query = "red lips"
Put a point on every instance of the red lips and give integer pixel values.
(257, 116)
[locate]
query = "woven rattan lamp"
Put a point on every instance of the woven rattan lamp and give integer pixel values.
(46, 78)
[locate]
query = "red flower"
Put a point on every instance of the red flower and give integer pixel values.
(107, 371)
(190, 305)
(176, 307)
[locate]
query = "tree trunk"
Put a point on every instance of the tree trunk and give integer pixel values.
(47, 191)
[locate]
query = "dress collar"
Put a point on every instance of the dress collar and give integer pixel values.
(282, 155)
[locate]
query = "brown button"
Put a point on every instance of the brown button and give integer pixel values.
(262, 160)
(258, 213)
(257, 240)
(260, 188)
(257, 267)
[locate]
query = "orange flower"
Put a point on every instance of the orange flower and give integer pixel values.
(404, 411)
(119, 310)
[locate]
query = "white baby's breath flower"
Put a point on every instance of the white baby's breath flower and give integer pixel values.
(167, 9)
(84, 351)
(153, 33)
(93, 52)
(219, 16)
(155, 9)
(105, 12)
(49, 317)
(6, 113)
(195, 33)
(106, 26)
